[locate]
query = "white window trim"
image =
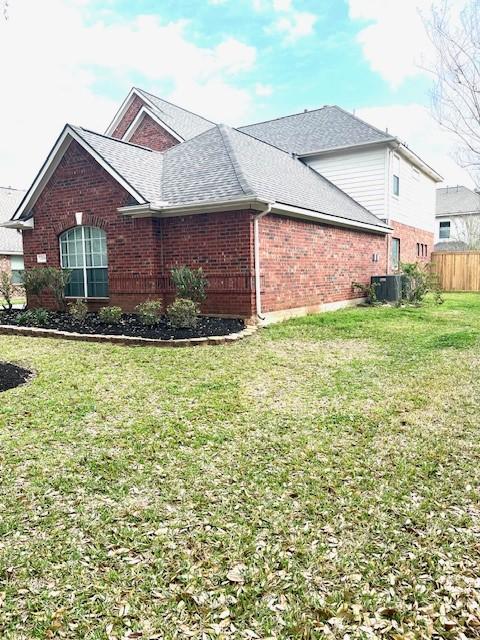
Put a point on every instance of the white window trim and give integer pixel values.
(84, 268)
(450, 229)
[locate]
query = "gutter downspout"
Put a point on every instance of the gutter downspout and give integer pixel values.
(256, 251)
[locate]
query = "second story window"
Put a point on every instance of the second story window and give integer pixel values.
(444, 230)
(396, 175)
(396, 185)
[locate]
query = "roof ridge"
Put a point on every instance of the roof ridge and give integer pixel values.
(103, 135)
(239, 173)
(289, 115)
(355, 117)
(174, 105)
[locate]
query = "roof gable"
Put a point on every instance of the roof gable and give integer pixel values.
(136, 168)
(181, 123)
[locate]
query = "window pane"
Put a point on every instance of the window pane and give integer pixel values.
(17, 276)
(395, 254)
(76, 288)
(396, 185)
(97, 283)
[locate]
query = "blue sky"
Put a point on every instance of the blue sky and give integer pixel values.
(234, 61)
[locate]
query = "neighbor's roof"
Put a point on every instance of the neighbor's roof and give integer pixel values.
(457, 200)
(219, 164)
(182, 121)
(10, 239)
(318, 130)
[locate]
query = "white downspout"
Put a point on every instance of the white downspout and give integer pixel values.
(256, 250)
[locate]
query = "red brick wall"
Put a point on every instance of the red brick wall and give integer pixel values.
(304, 263)
(148, 134)
(80, 184)
(128, 118)
(222, 244)
(152, 135)
(409, 237)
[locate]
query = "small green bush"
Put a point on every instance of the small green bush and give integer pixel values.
(182, 314)
(7, 290)
(369, 291)
(190, 284)
(39, 279)
(149, 312)
(78, 310)
(417, 281)
(34, 281)
(33, 317)
(110, 315)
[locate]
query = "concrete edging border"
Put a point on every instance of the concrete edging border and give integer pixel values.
(7, 329)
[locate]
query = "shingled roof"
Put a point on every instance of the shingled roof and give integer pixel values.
(329, 127)
(219, 164)
(184, 122)
(10, 240)
(457, 200)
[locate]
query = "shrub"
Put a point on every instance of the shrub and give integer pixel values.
(417, 282)
(7, 290)
(78, 310)
(33, 317)
(149, 312)
(34, 281)
(56, 281)
(110, 315)
(40, 279)
(182, 314)
(368, 290)
(190, 284)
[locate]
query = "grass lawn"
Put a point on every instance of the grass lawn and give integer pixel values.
(320, 480)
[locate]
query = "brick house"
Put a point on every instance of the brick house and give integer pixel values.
(11, 251)
(165, 187)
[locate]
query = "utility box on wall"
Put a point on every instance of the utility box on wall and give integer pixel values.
(389, 288)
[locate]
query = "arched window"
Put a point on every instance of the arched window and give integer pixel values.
(83, 250)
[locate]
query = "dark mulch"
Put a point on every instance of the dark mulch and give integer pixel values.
(12, 376)
(130, 325)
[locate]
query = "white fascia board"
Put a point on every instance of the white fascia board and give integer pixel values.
(19, 224)
(336, 221)
(346, 147)
(121, 112)
(209, 206)
(145, 111)
(392, 142)
(51, 163)
(168, 211)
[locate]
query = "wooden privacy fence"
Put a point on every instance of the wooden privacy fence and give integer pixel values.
(457, 270)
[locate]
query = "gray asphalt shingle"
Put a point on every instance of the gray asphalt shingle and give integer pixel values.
(184, 122)
(10, 239)
(224, 163)
(459, 199)
(325, 128)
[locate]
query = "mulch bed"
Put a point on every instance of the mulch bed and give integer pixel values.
(12, 376)
(130, 325)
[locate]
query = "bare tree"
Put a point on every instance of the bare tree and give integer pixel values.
(456, 93)
(4, 8)
(466, 229)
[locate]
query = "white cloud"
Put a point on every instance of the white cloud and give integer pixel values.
(263, 89)
(415, 126)
(395, 43)
(55, 56)
(289, 22)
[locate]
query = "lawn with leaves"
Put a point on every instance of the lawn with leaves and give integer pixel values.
(319, 480)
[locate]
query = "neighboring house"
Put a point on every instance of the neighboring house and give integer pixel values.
(165, 187)
(373, 167)
(11, 252)
(457, 225)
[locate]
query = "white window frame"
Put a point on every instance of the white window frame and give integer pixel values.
(449, 229)
(84, 268)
